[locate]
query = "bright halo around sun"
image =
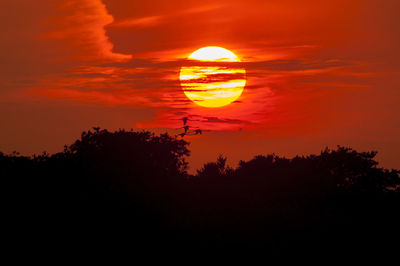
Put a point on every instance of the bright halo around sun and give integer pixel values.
(213, 77)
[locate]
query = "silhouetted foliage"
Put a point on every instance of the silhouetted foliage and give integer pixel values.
(136, 185)
(216, 169)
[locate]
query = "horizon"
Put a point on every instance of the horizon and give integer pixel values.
(112, 186)
(195, 166)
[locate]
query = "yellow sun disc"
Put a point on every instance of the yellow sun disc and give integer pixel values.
(213, 78)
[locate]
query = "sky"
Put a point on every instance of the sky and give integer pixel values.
(318, 74)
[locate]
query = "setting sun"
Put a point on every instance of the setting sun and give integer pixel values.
(212, 85)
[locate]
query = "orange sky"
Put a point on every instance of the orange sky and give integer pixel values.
(319, 73)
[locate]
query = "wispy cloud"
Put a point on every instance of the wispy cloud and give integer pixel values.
(80, 24)
(138, 22)
(154, 20)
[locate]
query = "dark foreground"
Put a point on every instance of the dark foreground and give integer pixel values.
(131, 189)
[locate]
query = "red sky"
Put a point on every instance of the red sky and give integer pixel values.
(319, 73)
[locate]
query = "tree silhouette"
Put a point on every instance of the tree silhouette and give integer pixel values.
(136, 185)
(214, 170)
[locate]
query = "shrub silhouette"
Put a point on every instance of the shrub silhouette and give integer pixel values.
(136, 184)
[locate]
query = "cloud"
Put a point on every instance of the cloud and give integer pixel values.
(138, 22)
(227, 121)
(155, 20)
(43, 41)
(80, 25)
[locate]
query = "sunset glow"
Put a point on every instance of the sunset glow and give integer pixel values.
(213, 85)
(289, 77)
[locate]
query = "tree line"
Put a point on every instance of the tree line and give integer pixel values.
(128, 184)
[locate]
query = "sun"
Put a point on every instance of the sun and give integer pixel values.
(213, 77)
